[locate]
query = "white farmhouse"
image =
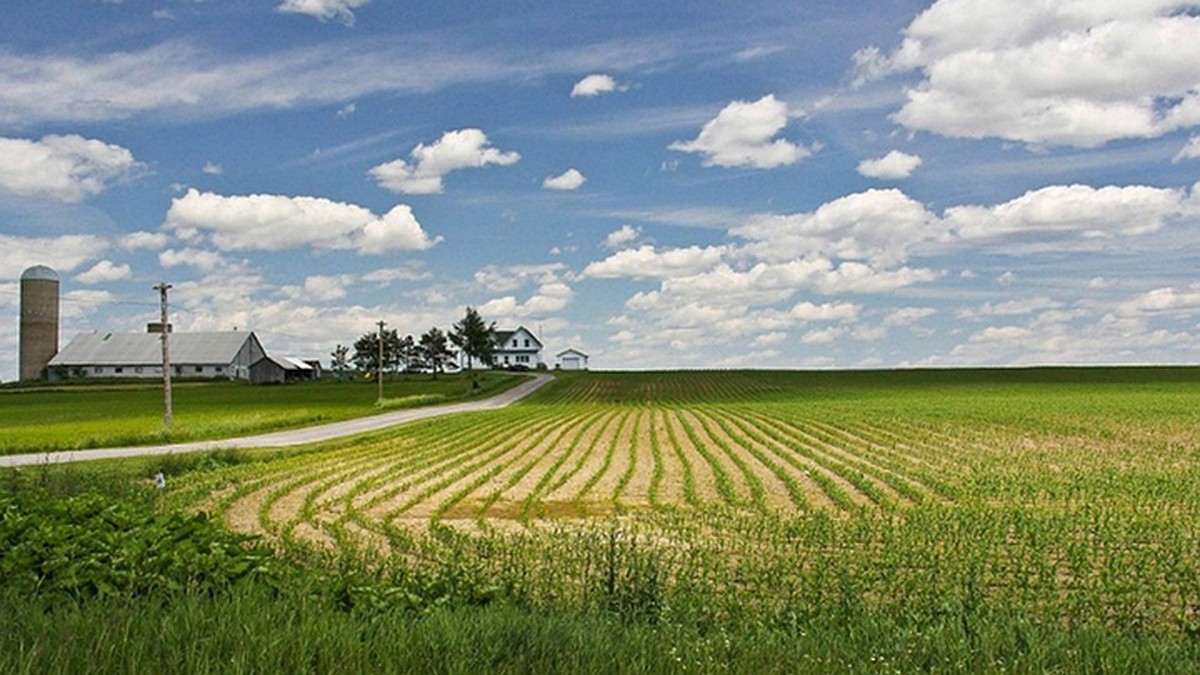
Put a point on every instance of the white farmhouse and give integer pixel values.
(517, 348)
(571, 359)
(224, 355)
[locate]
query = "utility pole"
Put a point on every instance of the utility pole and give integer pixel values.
(162, 289)
(379, 372)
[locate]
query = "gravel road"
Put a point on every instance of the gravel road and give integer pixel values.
(283, 439)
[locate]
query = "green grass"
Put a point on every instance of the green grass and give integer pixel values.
(1043, 520)
(43, 419)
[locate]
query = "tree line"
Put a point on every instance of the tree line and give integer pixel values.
(471, 337)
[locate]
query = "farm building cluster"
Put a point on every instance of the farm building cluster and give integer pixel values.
(235, 355)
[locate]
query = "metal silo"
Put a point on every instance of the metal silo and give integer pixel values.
(39, 320)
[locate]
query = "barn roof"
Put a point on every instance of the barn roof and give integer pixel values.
(144, 349)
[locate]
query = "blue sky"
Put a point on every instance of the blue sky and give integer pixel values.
(662, 184)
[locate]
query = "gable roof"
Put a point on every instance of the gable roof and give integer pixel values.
(502, 336)
(126, 349)
(572, 350)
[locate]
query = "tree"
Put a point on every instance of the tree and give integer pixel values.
(474, 338)
(435, 350)
(366, 351)
(340, 361)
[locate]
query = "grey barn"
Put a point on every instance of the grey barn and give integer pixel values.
(139, 355)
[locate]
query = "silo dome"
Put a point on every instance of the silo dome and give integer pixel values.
(39, 273)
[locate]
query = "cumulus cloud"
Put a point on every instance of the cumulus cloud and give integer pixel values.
(135, 241)
(743, 135)
(570, 179)
(842, 311)
(1075, 210)
(65, 168)
(625, 235)
(411, 271)
(892, 166)
(323, 9)
(549, 298)
(499, 279)
(596, 84)
(1052, 73)
(205, 261)
(104, 271)
(320, 288)
(648, 262)
(277, 222)
(63, 253)
(880, 226)
(907, 316)
(212, 169)
(462, 149)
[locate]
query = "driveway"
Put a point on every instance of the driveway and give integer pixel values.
(283, 439)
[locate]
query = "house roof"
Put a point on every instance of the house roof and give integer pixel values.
(572, 350)
(502, 336)
(144, 349)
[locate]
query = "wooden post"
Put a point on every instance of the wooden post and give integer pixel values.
(162, 289)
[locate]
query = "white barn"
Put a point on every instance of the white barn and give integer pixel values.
(517, 348)
(571, 359)
(227, 355)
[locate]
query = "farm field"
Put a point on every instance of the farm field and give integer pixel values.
(1073, 496)
(991, 520)
(75, 416)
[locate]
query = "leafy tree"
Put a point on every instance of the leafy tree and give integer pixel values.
(366, 351)
(474, 338)
(340, 361)
(435, 350)
(408, 353)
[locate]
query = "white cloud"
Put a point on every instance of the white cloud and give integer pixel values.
(323, 9)
(1189, 151)
(462, 149)
(596, 84)
(769, 339)
(499, 279)
(135, 241)
(907, 316)
(212, 169)
(881, 226)
(548, 299)
(65, 168)
(842, 311)
(822, 336)
(104, 271)
(647, 262)
(743, 135)
(205, 261)
(347, 110)
(1011, 307)
(320, 288)
(892, 166)
(625, 235)
(1073, 209)
(63, 253)
(1056, 73)
(570, 179)
(1164, 301)
(277, 222)
(411, 271)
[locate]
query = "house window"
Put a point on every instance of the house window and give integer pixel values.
(527, 342)
(118, 369)
(98, 370)
(219, 369)
(199, 369)
(137, 369)
(178, 370)
(514, 344)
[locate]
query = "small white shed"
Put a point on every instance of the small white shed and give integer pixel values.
(572, 359)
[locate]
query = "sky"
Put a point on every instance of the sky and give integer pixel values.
(759, 183)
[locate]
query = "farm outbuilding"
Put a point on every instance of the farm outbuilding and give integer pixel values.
(572, 359)
(271, 369)
(217, 355)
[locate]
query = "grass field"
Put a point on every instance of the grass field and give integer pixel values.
(109, 414)
(1025, 520)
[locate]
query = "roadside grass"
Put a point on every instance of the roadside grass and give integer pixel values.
(78, 416)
